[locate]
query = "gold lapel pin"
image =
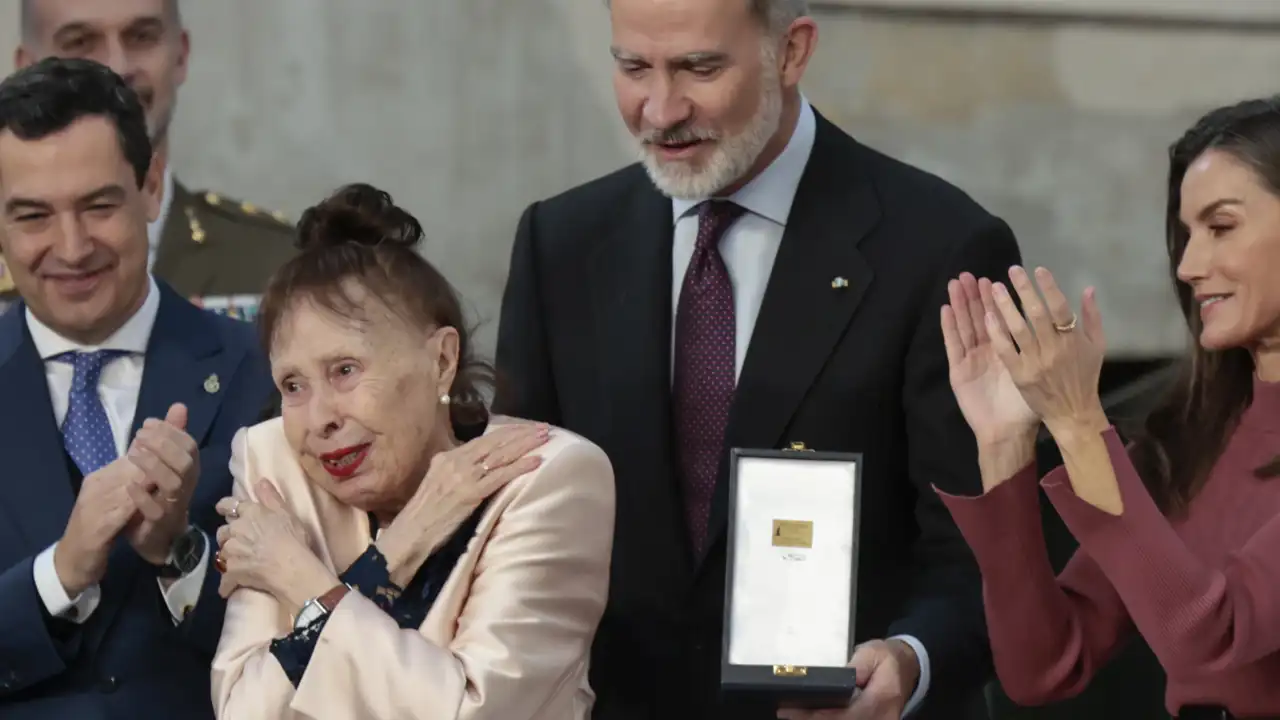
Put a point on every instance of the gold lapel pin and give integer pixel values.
(211, 384)
(839, 283)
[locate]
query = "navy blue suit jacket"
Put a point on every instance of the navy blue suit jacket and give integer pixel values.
(129, 660)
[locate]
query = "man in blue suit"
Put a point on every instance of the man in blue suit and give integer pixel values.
(118, 402)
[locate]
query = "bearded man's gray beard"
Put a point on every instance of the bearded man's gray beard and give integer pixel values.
(732, 158)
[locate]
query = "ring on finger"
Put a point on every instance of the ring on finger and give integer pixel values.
(235, 511)
(220, 563)
(1066, 327)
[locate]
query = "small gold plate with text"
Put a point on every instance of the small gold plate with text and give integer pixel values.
(793, 533)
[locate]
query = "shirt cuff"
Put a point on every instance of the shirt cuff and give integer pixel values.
(54, 595)
(922, 684)
(181, 596)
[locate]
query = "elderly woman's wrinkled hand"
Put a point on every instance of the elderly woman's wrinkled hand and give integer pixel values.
(457, 482)
(264, 547)
(1054, 363)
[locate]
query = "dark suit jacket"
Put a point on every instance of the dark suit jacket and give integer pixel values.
(129, 660)
(585, 343)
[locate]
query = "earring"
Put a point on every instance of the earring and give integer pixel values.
(445, 399)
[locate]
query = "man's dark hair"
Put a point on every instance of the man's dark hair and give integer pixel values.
(49, 96)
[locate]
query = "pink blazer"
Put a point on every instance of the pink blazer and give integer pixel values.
(507, 639)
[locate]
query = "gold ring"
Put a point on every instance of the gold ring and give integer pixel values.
(220, 563)
(1067, 327)
(235, 511)
(484, 468)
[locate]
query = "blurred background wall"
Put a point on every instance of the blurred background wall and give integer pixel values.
(468, 111)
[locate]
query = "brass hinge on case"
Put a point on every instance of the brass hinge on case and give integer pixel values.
(799, 447)
(790, 670)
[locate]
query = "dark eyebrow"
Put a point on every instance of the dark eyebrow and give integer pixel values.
(1215, 206)
(620, 54)
(19, 204)
(146, 22)
(109, 193)
(73, 28)
(701, 57)
(705, 57)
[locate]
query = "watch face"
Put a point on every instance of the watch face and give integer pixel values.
(188, 550)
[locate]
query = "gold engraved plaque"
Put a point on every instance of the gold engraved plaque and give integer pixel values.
(793, 533)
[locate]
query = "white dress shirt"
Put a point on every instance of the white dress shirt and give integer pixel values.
(749, 248)
(118, 388)
(155, 230)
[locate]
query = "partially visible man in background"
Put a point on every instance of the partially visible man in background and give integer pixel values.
(217, 251)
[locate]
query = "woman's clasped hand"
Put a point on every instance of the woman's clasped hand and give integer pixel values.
(264, 547)
(457, 482)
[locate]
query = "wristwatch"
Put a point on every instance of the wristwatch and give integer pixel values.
(185, 554)
(317, 607)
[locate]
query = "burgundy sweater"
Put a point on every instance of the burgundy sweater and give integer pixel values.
(1203, 591)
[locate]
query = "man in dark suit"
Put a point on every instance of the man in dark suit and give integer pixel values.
(120, 402)
(634, 317)
(209, 247)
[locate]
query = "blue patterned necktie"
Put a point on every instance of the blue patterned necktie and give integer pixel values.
(86, 432)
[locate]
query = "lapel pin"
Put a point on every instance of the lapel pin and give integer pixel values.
(839, 283)
(211, 384)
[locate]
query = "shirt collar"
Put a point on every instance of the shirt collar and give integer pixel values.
(155, 230)
(132, 337)
(771, 193)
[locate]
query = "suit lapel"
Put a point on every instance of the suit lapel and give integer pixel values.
(630, 276)
(181, 244)
(37, 493)
(186, 363)
(817, 282)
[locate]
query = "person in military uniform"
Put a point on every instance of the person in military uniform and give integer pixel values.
(217, 251)
(7, 291)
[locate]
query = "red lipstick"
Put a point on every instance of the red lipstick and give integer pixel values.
(345, 462)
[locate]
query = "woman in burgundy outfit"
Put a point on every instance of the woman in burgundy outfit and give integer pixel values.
(1179, 533)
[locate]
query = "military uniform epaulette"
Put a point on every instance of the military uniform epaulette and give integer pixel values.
(214, 246)
(235, 210)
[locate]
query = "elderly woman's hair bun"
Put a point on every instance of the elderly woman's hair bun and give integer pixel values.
(361, 214)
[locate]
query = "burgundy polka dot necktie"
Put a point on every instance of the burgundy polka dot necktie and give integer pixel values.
(704, 365)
